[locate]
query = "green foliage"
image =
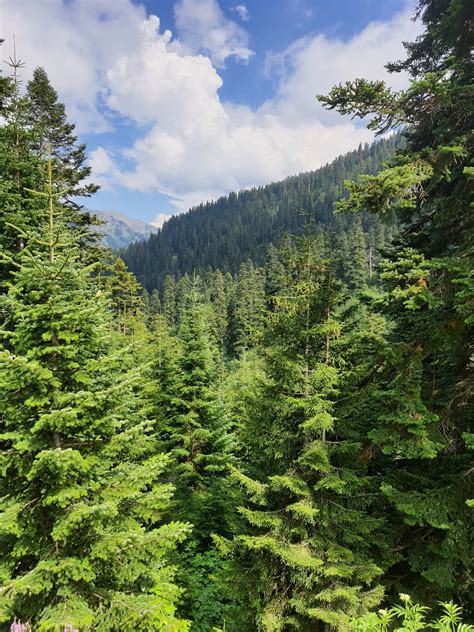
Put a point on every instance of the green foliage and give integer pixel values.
(292, 558)
(54, 134)
(304, 401)
(421, 403)
(237, 228)
(81, 486)
(410, 616)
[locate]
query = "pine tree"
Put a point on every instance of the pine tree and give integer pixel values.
(83, 540)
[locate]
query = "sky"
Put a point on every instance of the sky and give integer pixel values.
(181, 101)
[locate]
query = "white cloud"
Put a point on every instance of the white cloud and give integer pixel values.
(104, 168)
(160, 219)
(313, 65)
(242, 12)
(203, 28)
(76, 42)
(189, 144)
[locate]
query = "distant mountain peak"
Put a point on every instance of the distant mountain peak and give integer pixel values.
(120, 230)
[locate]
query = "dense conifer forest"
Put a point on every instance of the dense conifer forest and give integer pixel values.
(226, 233)
(269, 427)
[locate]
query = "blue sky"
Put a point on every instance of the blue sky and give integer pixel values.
(180, 101)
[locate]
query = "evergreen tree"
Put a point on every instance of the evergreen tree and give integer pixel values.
(83, 540)
(169, 300)
(303, 561)
(199, 434)
(155, 304)
(356, 263)
(124, 291)
(166, 379)
(145, 299)
(220, 303)
(422, 433)
(248, 307)
(226, 233)
(192, 425)
(52, 130)
(19, 168)
(274, 274)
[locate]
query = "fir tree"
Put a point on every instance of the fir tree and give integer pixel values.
(424, 406)
(20, 169)
(83, 541)
(124, 291)
(155, 304)
(52, 130)
(303, 562)
(356, 264)
(192, 425)
(169, 300)
(248, 307)
(220, 302)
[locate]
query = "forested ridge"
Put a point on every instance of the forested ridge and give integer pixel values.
(225, 233)
(274, 441)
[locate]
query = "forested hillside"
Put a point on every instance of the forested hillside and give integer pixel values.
(225, 233)
(271, 443)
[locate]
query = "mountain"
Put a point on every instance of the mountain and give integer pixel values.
(240, 226)
(120, 230)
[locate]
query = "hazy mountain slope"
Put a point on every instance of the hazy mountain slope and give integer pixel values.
(234, 228)
(120, 230)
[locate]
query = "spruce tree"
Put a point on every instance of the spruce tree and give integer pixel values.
(83, 542)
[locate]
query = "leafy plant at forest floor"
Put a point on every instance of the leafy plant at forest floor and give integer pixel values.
(410, 616)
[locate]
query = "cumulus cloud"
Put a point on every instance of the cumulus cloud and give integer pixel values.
(76, 42)
(160, 219)
(242, 12)
(110, 60)
(203, 27)
(104, 169)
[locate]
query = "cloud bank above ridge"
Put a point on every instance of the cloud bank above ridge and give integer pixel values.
(112, 64)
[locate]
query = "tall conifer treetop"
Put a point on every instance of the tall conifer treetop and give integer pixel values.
(81, 497)
(52, 129)
(424, 406)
